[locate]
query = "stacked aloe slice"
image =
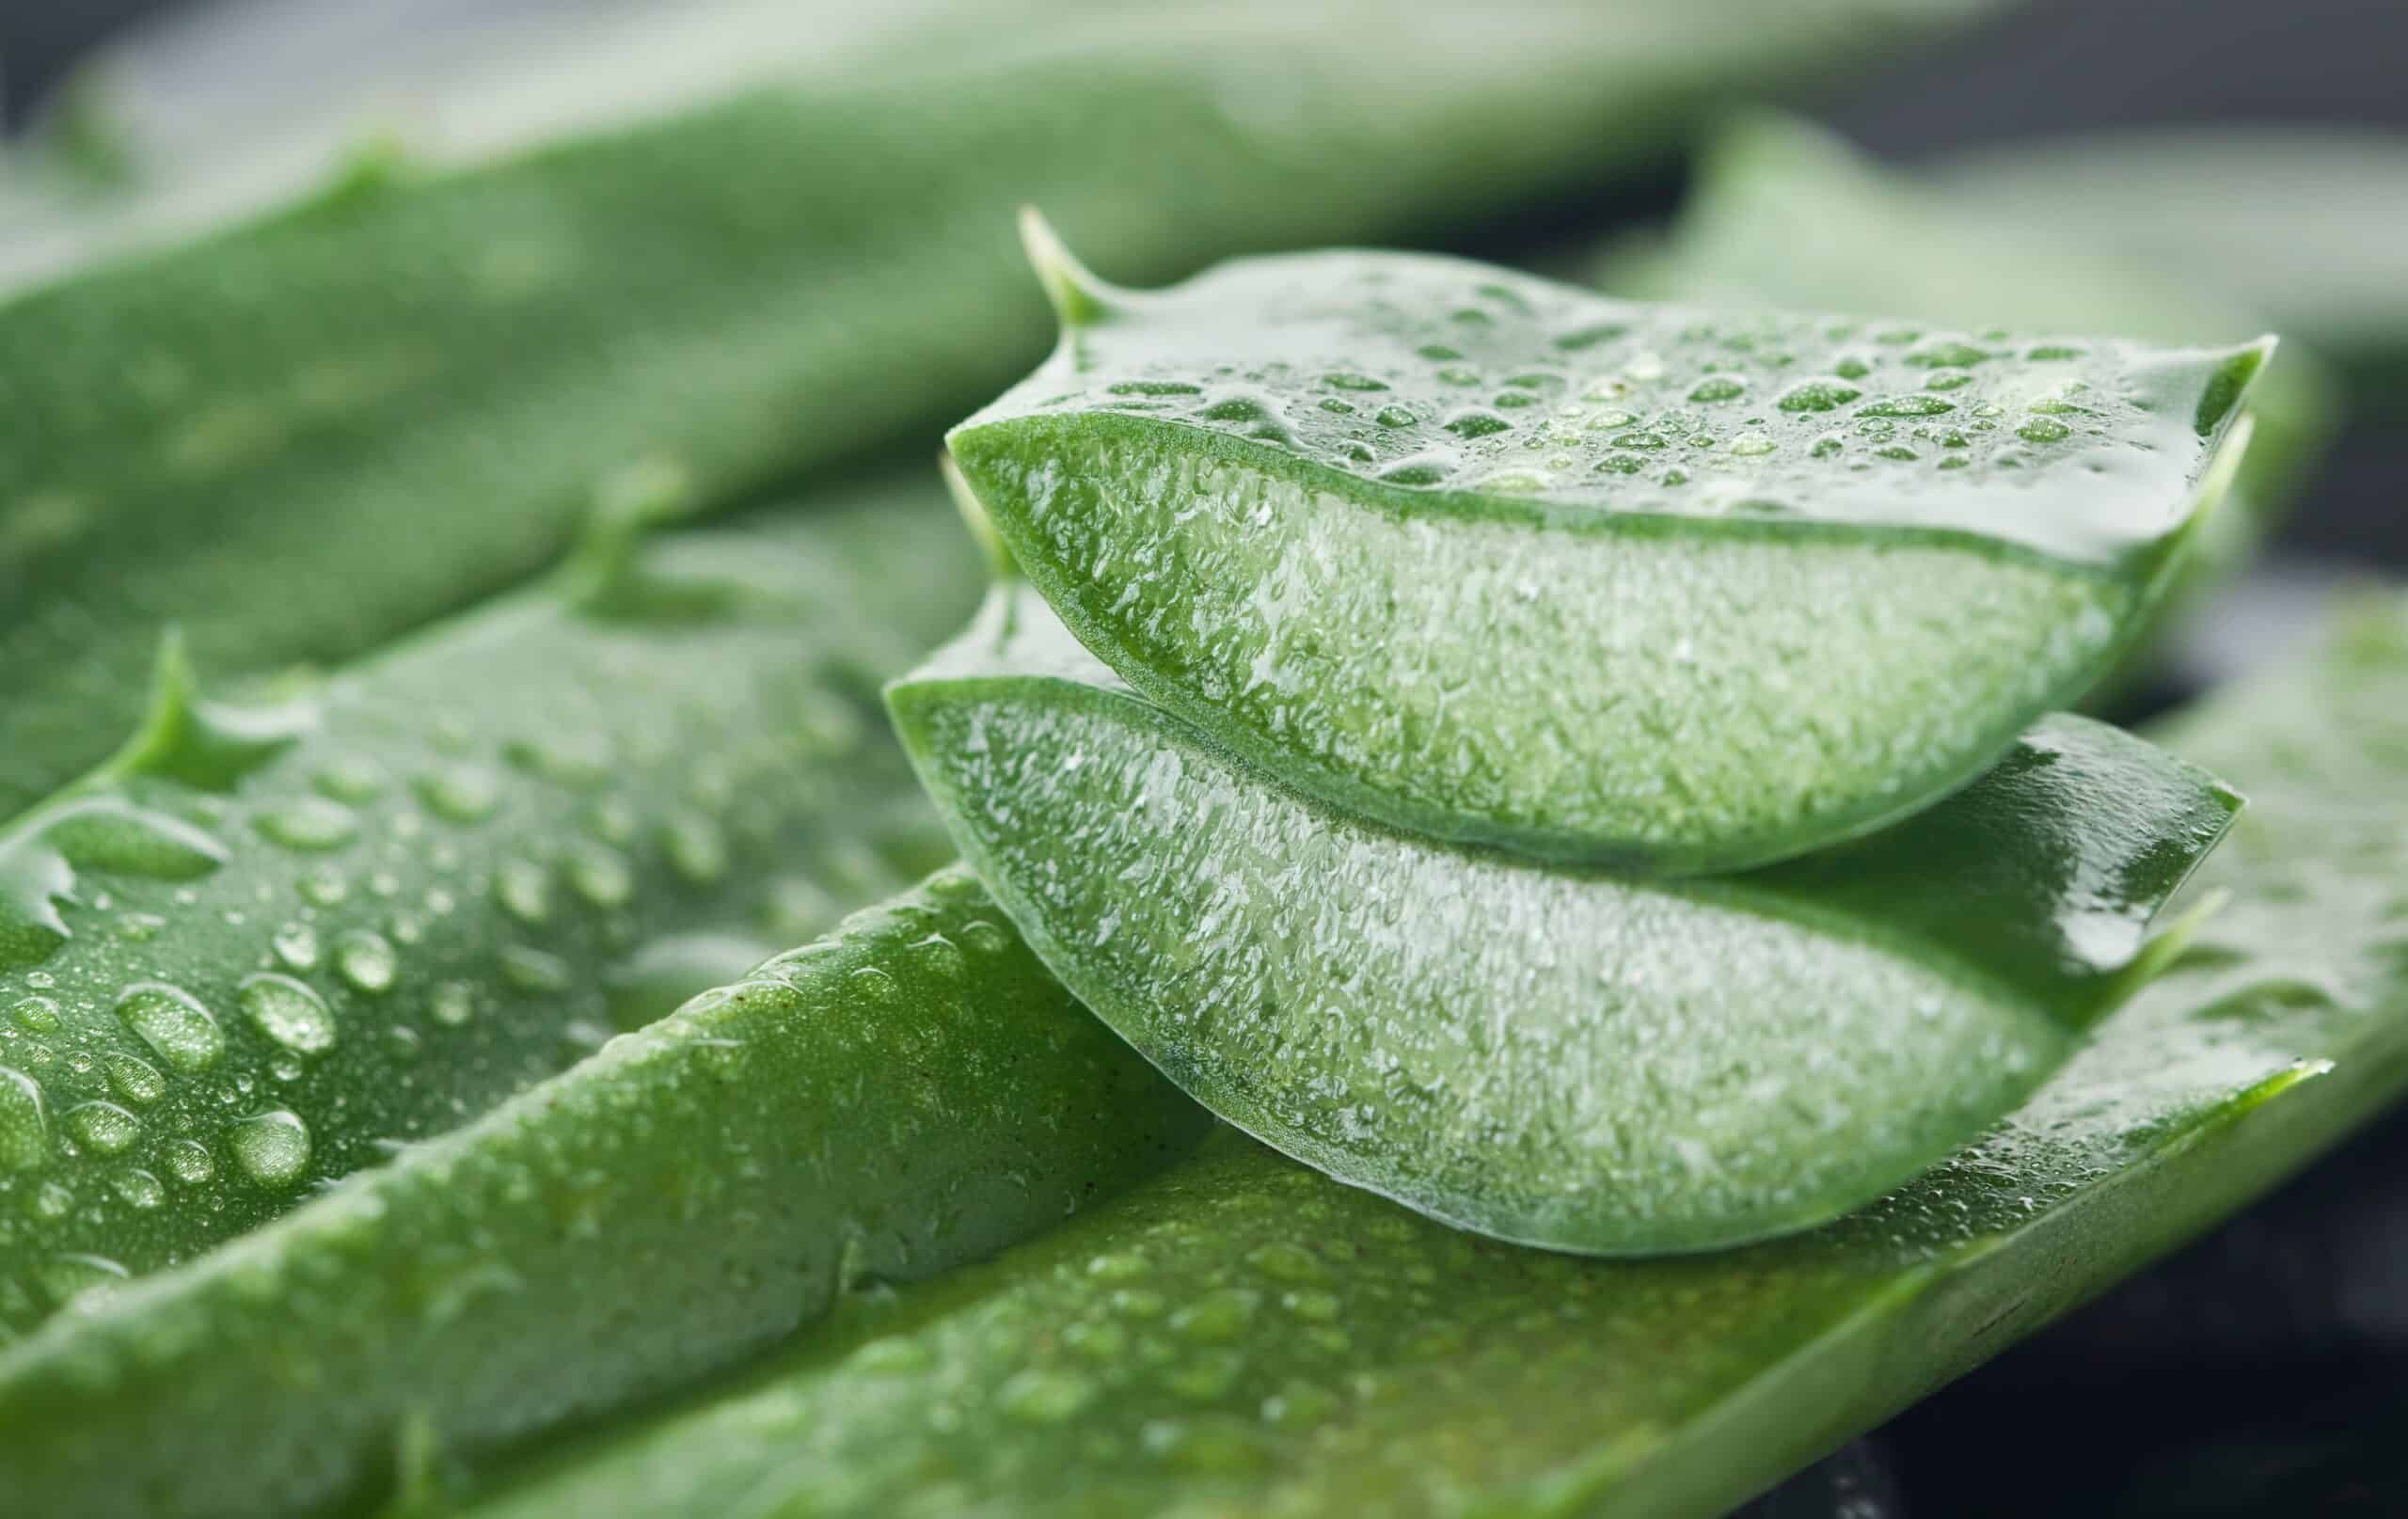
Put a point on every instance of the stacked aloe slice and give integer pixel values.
(1583, 769)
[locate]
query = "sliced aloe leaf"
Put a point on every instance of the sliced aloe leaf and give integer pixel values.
(1495, 560)
(1784, 212)
(913, 1092)
(1245, 1337)
(2316, 250)
(450, 360)
(1548, 1054)
(268, 942)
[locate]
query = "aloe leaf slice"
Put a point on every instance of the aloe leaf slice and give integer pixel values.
(1743, 584)
(450, 362)
(1541, 1053)
(2318, 253)
(1244, 1337)
(909, 1093)
(268, 942)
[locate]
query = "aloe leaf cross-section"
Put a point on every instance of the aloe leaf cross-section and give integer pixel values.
(1677, 590)
(1542, 1053)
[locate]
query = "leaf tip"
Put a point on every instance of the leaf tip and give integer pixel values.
(1078, 297)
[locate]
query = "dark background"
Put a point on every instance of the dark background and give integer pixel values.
(2264, 1370)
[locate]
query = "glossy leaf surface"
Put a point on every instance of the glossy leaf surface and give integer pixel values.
(1544, 1054)
(1245, 1338)
(909, 1094)
(1743, 584)
(270, 942)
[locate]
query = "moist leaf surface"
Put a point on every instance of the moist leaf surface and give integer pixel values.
(911, 1093)
(1541, 1054)
(270, 942)
(1745, 584)
(1245, 1338)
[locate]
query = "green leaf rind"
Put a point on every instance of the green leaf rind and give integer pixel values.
(1546, 1055)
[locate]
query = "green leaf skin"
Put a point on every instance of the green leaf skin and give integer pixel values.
(1744, 584)
(2317, 251)
(266, 944)
(1246, 1337)
(1544, 1054)
(1785, 214)
(302, 436)
(911, 1093)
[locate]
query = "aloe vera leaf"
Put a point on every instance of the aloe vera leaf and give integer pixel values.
(1244, 1336)
(2317, 251)
(1724, 567)
(450, 364)
(266, 943)
(1541, 1054)
(1785, 213)
(909, 1093)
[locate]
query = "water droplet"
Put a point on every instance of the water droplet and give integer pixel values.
(524, 890)
(190, 1164)
(37, 1015)
(1299, 1406)
(613, 820)
(1037, 1396)
(173, 1022)
(1478, 424)
(50, 1200)
(1949, 355)
(1715, 388)
(139, 1188)
(295, 944)
(460, 793)
(453, 1003)
(349, 778)
(1207, 1447)
(311, 823)
(2043, 430)
(1285, 1261)
(535, 970)
(1753, 446)
(273, 1149)
(1817, 395)
(1395, 416)
(325, 886)
(696, 846)
(366, 959)
(600, 874)
(1216, 1318)
(102, 1128)
(136, 1080)
(288, 1012)
(24, 1129)
(1914, 405)
(1341, 380)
